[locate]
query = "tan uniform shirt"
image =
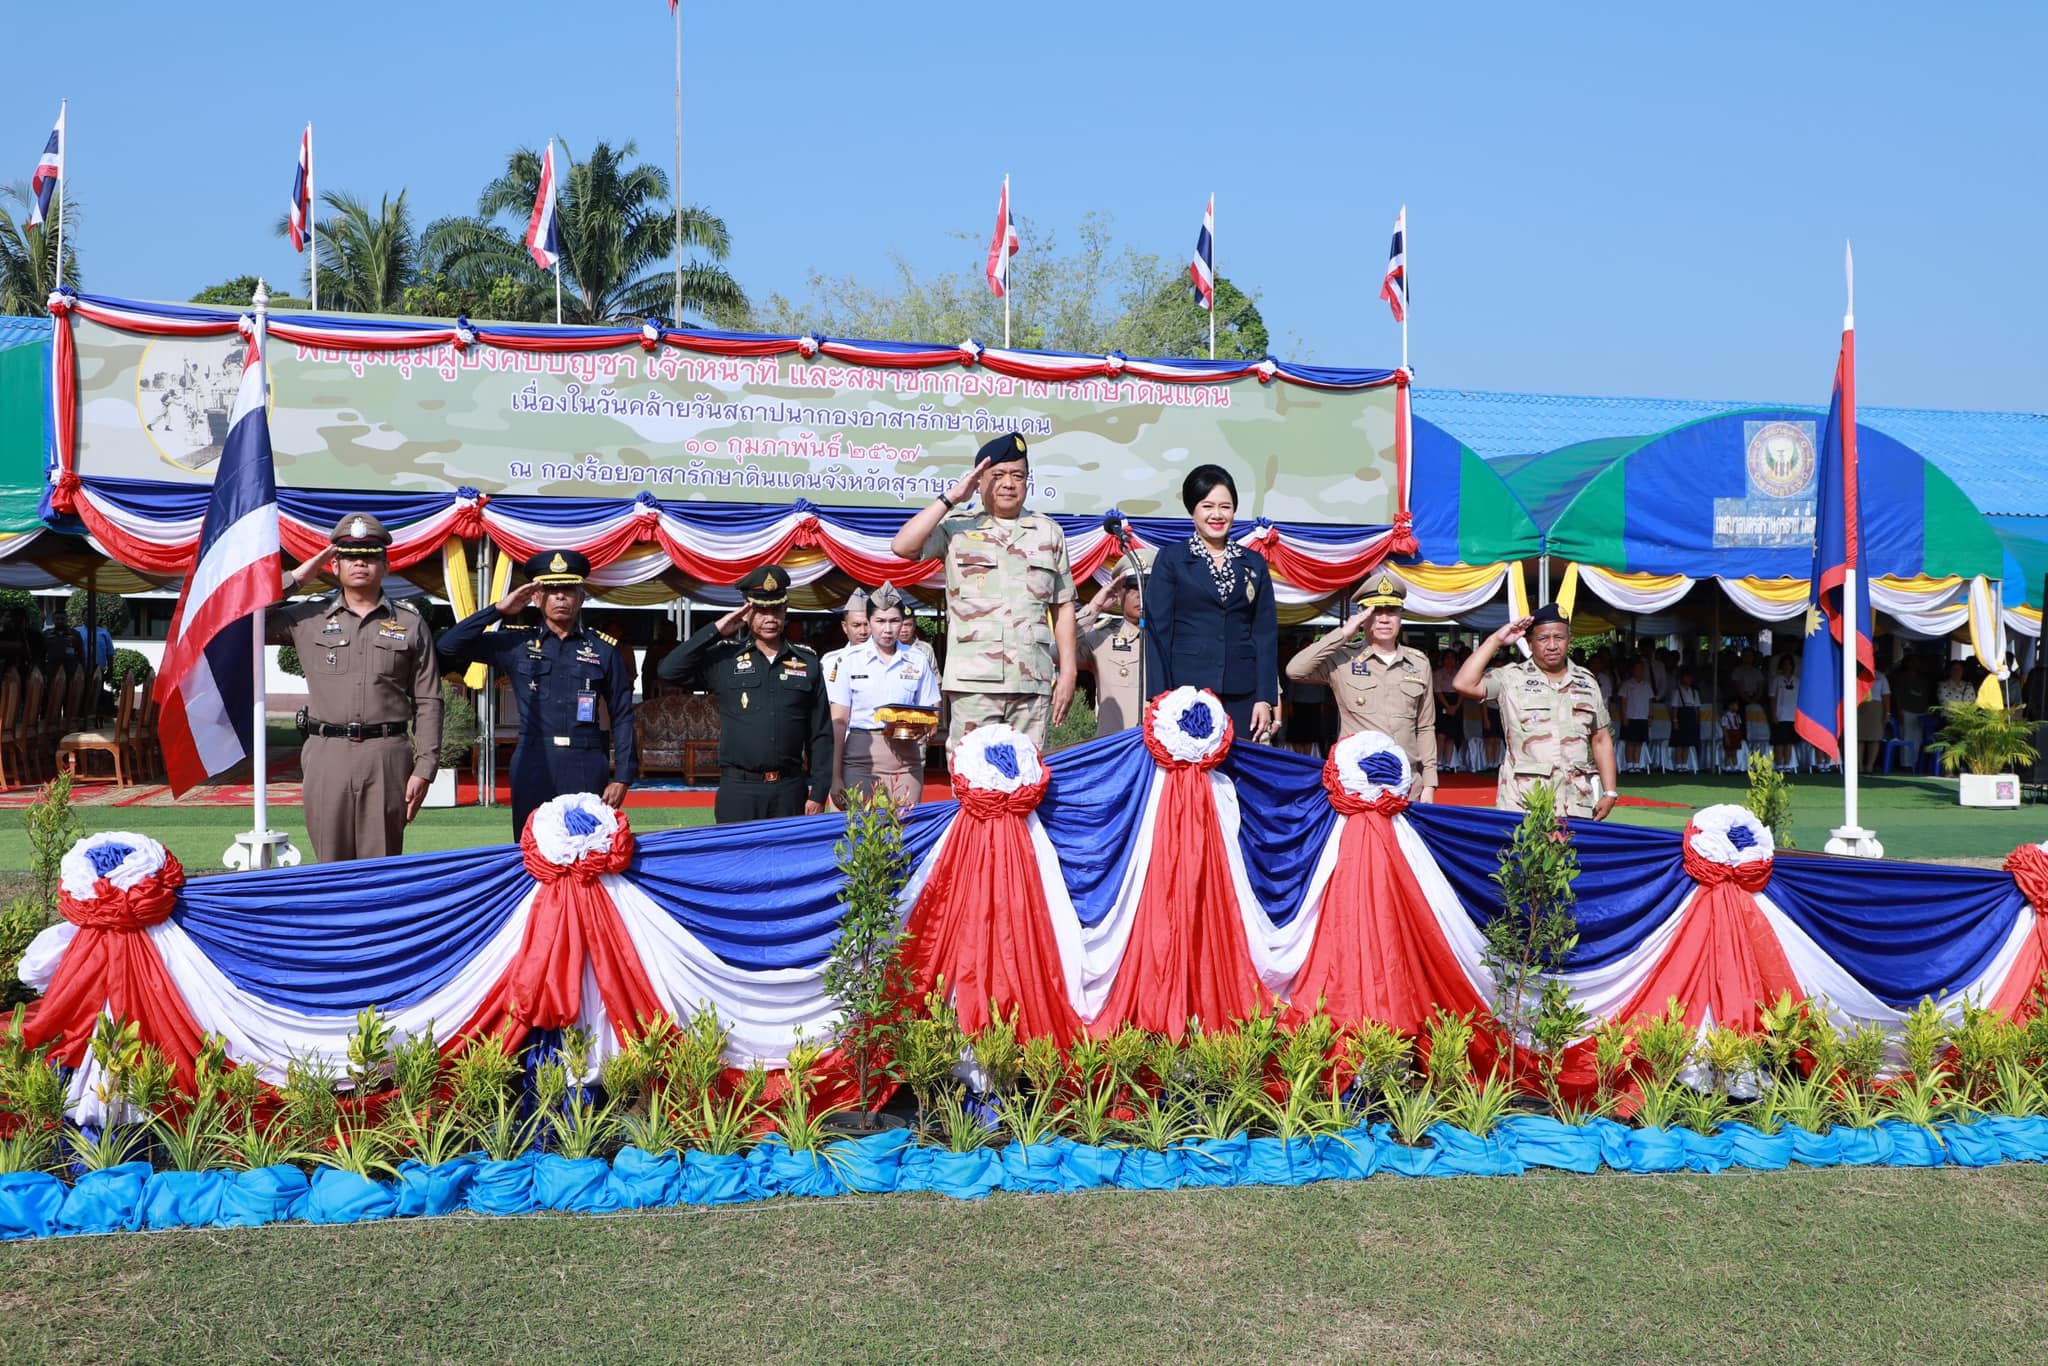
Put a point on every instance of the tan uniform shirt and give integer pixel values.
(378, 667)
(1116, 651)
(1003, 581)
(1375, 692)
(1548, 726)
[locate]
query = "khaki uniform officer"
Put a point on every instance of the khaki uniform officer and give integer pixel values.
(1379, 683)
(370, 677)
(1010, 638)
(1114, 642)
(1552, 717)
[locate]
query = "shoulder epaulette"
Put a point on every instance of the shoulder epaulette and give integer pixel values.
(407, 604)
(606, 637)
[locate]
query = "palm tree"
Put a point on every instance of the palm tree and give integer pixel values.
(617, 232)
(28, 260)
(368, 259)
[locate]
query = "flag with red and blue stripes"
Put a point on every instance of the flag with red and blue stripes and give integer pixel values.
(1394, 286)
(207, 685)
(1002, 246)
(49, 173)
(1202, 270)
(300, 219)
(1818, 720)
(543, 241)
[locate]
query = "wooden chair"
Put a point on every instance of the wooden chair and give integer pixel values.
(146, 754)
(93, 706)
(50, 723)
(115, 743)
(10, 723)
(21, 731)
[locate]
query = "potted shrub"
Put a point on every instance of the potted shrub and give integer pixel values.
(458, 738)
(1989, 745)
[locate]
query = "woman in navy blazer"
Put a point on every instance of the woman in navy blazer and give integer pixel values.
(1210, 621)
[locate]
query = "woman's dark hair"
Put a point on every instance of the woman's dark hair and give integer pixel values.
(1201, 481)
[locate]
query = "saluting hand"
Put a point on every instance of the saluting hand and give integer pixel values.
(729, 624)
(310, 568)
(518, 600)
(970, 482)
(1515, 630)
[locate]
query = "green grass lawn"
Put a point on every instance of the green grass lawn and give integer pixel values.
(1795, 1266)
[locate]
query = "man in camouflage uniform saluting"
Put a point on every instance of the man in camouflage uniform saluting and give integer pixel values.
(1551, 714)
(1010, 637)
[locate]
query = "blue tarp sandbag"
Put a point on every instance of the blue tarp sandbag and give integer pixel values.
(503, 1187)
(1707, 1153)
(1749, 1146)
(1145, 1170)
(267, 1195)
(722, 1180)
(1034, 1168)
(182, 1199)
(2019, 1139)
(1350, 1156)
(1087, 1166)
(429, 1192)
(1463, 1153)
(964, 1176)
(1613, 1139)
(1870, 1147)
(1971, 1145)
(873, 1163)
(29, 1204)
(799, 1173)
(340, 1197)
(106, 1201)
(1283, 1162)
(579, 1185)
(1656, 1150)
(1815, 1150)
(1913, 1146)
(1399, 1158)
(1541, 1141)
(644, 1180)
(1213, 1161)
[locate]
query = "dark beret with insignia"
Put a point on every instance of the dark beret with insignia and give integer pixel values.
(767, 586)
(1005, 448)
(1547, 613)
(558, 568)
(360, 534)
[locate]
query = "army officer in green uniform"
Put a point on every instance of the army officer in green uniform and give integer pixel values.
(774, 723)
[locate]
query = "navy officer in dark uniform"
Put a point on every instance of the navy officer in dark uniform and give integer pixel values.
(571, 684)
(773, 717)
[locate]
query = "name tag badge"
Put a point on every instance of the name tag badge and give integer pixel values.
(1121, 643)
(1361, 669)
(586, 706)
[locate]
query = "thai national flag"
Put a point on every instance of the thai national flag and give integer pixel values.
(1394, 288)
(543, 243)
(207, 683)
(49, 173)
(302, 193)
(1202, 270)
(1836, 513)
(1002, 246)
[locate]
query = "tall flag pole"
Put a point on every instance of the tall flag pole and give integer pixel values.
(299, 225)
(48, 181)
(1837, 661)
(675, 10)
(1002, 246)
(543, 238)
(1202, 270)
(1394, 287)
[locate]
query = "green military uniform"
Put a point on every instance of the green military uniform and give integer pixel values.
(1389, 693)
(369, 678)
(1548, 723)
(1004, 581)
(773, 718)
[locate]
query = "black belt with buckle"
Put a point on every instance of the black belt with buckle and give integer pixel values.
(601, 740)
(773, 775)
(355, 731)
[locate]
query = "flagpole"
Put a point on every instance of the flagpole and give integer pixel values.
(1852, 838)
(1215, 277)
(1407, 296)
(312, 220)
(1009, 279)
(558, 290)
(63, 173)
(676, 9)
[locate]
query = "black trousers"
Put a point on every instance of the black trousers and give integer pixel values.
(739, 800)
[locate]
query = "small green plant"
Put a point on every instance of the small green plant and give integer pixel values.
(1981, 1039)
(721, 1122)
(1986, 740)
(1921, 1100)
(481, 1075)
(1536, 929)
(1613, 1056)
(1450, 1050)
(1379, 1056)
(110, 1147)
(1665, 1042)
(1778, 1036)
(251, 1144)
(360, 1147)
(504, 1133)
(1703, 1111)
(1157, 1123)
(1411, 1112)
(1661, 1103)
(2019, 1093)
(458, 726)
(1478, 1108)
(308, 1096)
(1731, 1059)
(434, 1139)
(802, 1123)
(928, 1047)
(52, 829)
(369, 1050)
(1033, 1116)
(997, 1051)
(1808, 1102)
(1560, 1022)
(1770, 798)
(960, 1127)
(1863, 1056)
(416, 1070)
(864, 976)
(582, 1126)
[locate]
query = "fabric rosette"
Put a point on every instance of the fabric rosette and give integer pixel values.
(1728, 843)
(997, 768)
(1187, 726)
(576, 836)
(2028, 865)
(1368, 770)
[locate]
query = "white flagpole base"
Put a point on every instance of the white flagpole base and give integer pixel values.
(1854, 841)
(260, 849)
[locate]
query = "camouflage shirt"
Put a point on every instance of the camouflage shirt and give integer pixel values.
(1548, 725)
(1003, 582)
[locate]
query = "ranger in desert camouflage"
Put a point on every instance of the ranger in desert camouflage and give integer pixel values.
(1551, 714)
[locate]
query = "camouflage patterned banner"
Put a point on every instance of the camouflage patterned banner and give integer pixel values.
(751, 430)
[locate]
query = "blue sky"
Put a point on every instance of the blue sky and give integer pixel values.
(1604, 199)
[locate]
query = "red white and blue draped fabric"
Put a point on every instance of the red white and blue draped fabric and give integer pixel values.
(1002, 246)
(298, 221)
(1202, 270)
(1394, 285)
(48, 175)
(543, 242)
(1151, 876)
(1837, 518)
(207, 682)
(637, 538)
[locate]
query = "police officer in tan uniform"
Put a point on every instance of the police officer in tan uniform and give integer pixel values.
(1551, 715)
(1114, 641)
(1379, 683)
(1010, 638)
(370, 677)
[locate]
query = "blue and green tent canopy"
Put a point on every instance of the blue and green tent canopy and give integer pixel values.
(1464, 513)
(2025, 541)
(1690, 501)
(24, 371)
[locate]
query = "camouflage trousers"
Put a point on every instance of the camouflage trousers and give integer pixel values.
(1030, 712)
(1576, 789)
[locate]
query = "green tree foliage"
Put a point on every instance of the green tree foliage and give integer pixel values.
(617, 227)
(28, 260)
(369, 256)
(113, 609)
(239, 291)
